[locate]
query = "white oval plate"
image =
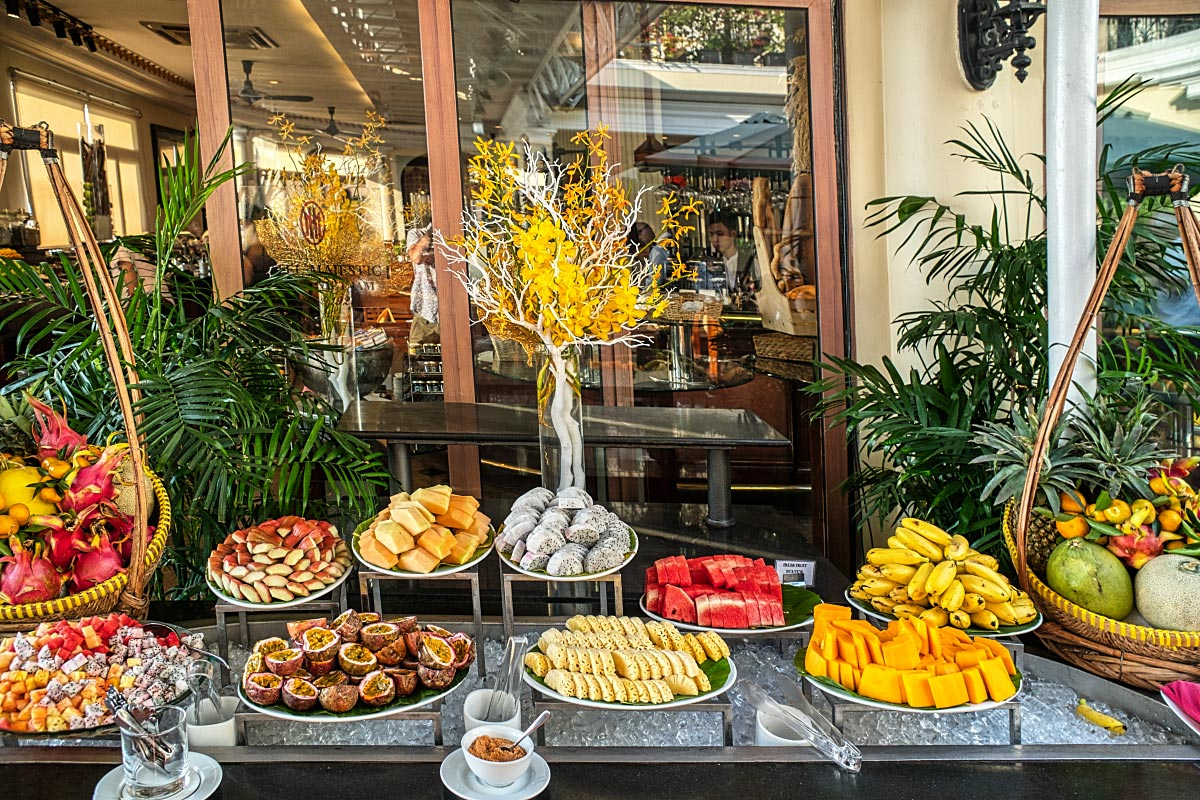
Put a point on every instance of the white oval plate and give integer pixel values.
(683, 701)
(1171, 704)
(390, 711)
(687, 626)
(850, 697)
(299, 601)
(440, 570)
(587, 576)
(1005, 630)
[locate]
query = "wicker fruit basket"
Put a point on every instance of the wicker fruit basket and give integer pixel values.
(125, 591)
(1133, 654)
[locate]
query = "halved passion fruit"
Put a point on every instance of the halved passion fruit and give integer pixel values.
(464, 650)
(405, 624)
(412, 642)
(330, 679)
(347, 626)
(320, 644)
(377, 689)
(378, 635)
(318, 668)
(254, 663)
(284, 663)
(436, 679)
(436, 652)
(405, 680)
(340, 698)
(393, 654)
(263, 688)
(408, 662)
(357, 660)
(296, 629)
(270, 645)
(299, 694)
(369, 618)
(436, 631)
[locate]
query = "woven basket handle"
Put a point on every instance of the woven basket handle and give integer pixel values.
(1141, 184)
(114, 334)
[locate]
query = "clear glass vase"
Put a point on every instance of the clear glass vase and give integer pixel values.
(560, 419)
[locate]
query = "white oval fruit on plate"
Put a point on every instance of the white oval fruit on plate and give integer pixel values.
(585, 576)
(241, 602)
(438, 571)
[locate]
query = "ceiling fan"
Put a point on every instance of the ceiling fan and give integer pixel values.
(252, 95)
(332, 128)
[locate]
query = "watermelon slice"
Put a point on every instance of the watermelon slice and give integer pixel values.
(652, 577)
(750, 607)
(662, 570)
(715, 576)
(682, 573)
(703, 610)
(678, 606)
(654, 599)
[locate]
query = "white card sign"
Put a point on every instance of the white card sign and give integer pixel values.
(796, 571)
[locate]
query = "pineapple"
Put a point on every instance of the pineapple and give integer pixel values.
(15, 427)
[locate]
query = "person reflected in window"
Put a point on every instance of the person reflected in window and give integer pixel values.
(642, 243)
(424, 288)
(741, 268)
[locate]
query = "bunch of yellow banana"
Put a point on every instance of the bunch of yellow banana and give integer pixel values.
(926, 572)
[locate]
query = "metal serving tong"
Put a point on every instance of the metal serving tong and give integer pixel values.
(151, 749)
(805, 722)
(505, 702)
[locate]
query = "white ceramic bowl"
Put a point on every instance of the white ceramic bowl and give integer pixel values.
(770, 733)
(475, 706)
(497, 774)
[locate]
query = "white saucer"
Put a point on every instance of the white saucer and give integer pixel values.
(461, 781)
(204, 776)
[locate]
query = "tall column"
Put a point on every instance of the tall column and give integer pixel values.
(1072, 30)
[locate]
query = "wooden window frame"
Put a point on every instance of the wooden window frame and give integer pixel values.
(831, 509)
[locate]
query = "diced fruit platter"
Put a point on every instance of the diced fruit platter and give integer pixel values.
(53, 679)
(355, 667)
(909, 666)
(564, 537)
(731, 593)
(432, 531)
(628, 664)
(281, 563)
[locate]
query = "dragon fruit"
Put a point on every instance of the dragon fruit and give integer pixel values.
(28, 578)
(53, 435)
(94, 484)
(1135, 549)
(99, 563)
(62, 544)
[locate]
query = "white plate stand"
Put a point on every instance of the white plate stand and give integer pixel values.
(508, 578)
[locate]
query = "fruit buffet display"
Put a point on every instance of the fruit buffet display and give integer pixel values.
(564, 535)
(279, 561)
(66, 508)
(911, 663)
(928, 573)
(728, 592)
(54, 678)
(431, 530)
(626, 661)
(355, 665)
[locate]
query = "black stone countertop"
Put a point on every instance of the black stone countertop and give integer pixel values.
(61, 775)
(491, 423)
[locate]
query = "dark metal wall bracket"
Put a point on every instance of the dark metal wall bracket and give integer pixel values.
(989, 32)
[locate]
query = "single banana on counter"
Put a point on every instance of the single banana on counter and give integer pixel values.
(1100, 719)
(884, 555)
(930, 531)
(917, 543)
(940, 578)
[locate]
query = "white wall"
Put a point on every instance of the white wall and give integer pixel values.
(906, 96)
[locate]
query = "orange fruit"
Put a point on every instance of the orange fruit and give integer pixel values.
(3, 503)
(1073, 529)
(1069, 504)
(55, 467)
(1158, 485)
(49, 494)
(8, 525)
(20, 513)
(1117, 512)
(1169, 519)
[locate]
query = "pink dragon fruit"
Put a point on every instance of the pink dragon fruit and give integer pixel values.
(1135, 549)
(62, 545)
(53, 435)
(94, 484)
(96, 565)
(28, 578)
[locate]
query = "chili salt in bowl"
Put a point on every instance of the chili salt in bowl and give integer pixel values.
(497, 774)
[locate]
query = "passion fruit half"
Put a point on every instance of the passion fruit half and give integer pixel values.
(263, 688)
(377, 689)
(369, 617)
(393, 654)
(464, 650)
(339, 699)
(299, 694)
(331, 679)
(405, 624)
(320, 644)
(270, 645)
(284, 663)
(436, 679)
(412, 642)
(436, 631)
(254, 663)
(296, 629)
(347, 626)
(318, 668)
(357, 660)
(405, 680)
(435, 652)
(378, 635)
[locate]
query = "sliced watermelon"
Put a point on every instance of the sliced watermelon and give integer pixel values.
(678, 606)
(652, 577)
(683, 575)
(654, 599)
(703, 610)
(715, 576)
(662, 570)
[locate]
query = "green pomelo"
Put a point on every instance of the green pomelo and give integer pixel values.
(1091, 577)
(1168, 593)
